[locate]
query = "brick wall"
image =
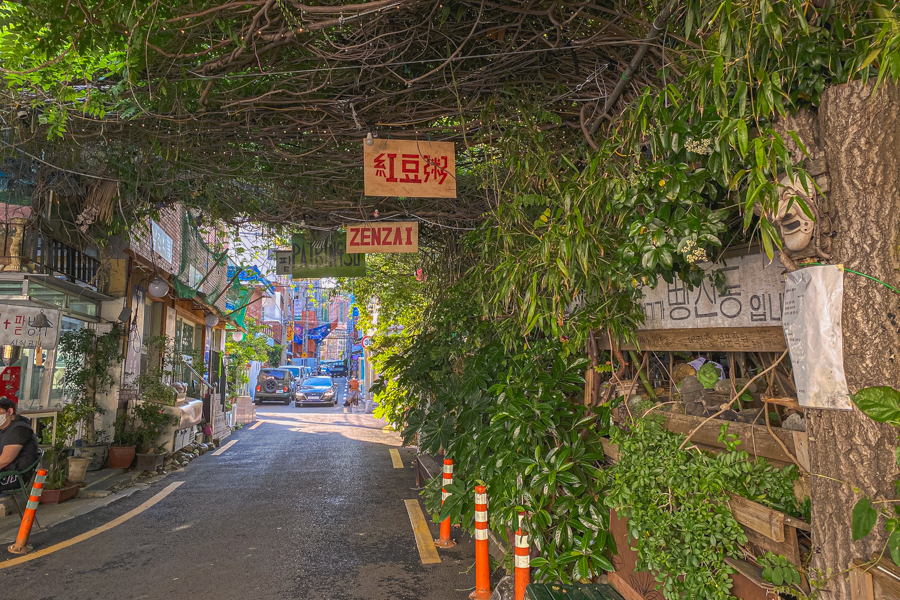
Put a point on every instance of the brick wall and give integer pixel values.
(141, 242)
(171, 220)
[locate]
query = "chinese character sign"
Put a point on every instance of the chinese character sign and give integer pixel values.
(383, 238)
(410, 168)
(753, 296)
(17, 327)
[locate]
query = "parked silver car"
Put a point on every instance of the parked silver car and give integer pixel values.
(316, 390)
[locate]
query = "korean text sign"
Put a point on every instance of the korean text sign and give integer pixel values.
(753, 296)
(410, 168)
(383, 237)
(16, 327)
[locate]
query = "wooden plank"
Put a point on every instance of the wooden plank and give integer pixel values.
(886, 574)
(801, 446)
(622, 586)
(861, 584)
(751, 572)
(797, 523)
(755, 439)
(789, 548)
(757, 517)
(717, 339)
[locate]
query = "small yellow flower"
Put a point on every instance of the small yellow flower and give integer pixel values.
(662, 182)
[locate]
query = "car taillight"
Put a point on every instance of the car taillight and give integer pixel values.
(285, 389)
(257, 388)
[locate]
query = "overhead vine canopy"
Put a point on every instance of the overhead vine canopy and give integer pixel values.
(261, 106)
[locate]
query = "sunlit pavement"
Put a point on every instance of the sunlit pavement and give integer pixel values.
(307, 504)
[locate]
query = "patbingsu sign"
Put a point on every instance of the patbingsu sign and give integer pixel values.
(18, 326)
(753, 297)
(313, 260)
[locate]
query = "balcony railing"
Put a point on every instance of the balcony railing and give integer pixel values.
(56, 258)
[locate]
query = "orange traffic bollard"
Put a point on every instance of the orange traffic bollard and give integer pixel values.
(21, 546)
(445, 541)
(482, 559)
(523, 562)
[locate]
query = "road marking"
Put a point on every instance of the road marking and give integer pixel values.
(89, 534)
(225, 447)
(427, 550)
(257, 424)
(395, 458)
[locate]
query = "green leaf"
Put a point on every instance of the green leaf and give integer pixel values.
(778, 575)
(894, 546)
(864, 518)
(881, 403)
(742, 136)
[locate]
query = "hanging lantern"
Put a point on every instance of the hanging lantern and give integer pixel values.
(158, 287)
(212, 320)
(237, 336)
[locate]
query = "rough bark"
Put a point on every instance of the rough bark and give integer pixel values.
(860, 134)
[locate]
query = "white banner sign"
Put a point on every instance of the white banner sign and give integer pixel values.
(17, 327)
(813, 299)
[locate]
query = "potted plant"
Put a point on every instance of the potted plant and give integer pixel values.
(88, 359)
(151, 420)
(57, 487)
(125, 440)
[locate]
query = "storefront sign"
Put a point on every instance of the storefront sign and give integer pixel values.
(410, 168)
(383, 237)
(312, 261)
(284, 262)
(162, 241)
(17, 327)
(754, 297)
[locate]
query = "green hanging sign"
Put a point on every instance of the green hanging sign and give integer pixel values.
(331, 260)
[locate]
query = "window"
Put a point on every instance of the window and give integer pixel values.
(59, 365)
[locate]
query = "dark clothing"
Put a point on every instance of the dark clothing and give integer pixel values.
(19, 434)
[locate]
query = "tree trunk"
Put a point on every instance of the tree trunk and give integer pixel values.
(860, 135)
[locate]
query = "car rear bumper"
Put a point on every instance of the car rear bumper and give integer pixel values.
(261, 397)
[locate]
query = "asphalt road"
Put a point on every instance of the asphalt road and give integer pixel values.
(307, 505)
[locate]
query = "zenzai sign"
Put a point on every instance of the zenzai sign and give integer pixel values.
(383, 237)
(410, 168)
(17, 327)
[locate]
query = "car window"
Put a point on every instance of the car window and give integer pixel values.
(297, 371)
(276, 373)
(317, 381)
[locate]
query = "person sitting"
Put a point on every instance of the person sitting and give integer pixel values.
(18, 444)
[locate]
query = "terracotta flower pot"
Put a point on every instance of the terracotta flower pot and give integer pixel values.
(59, 496)
(120, 457)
